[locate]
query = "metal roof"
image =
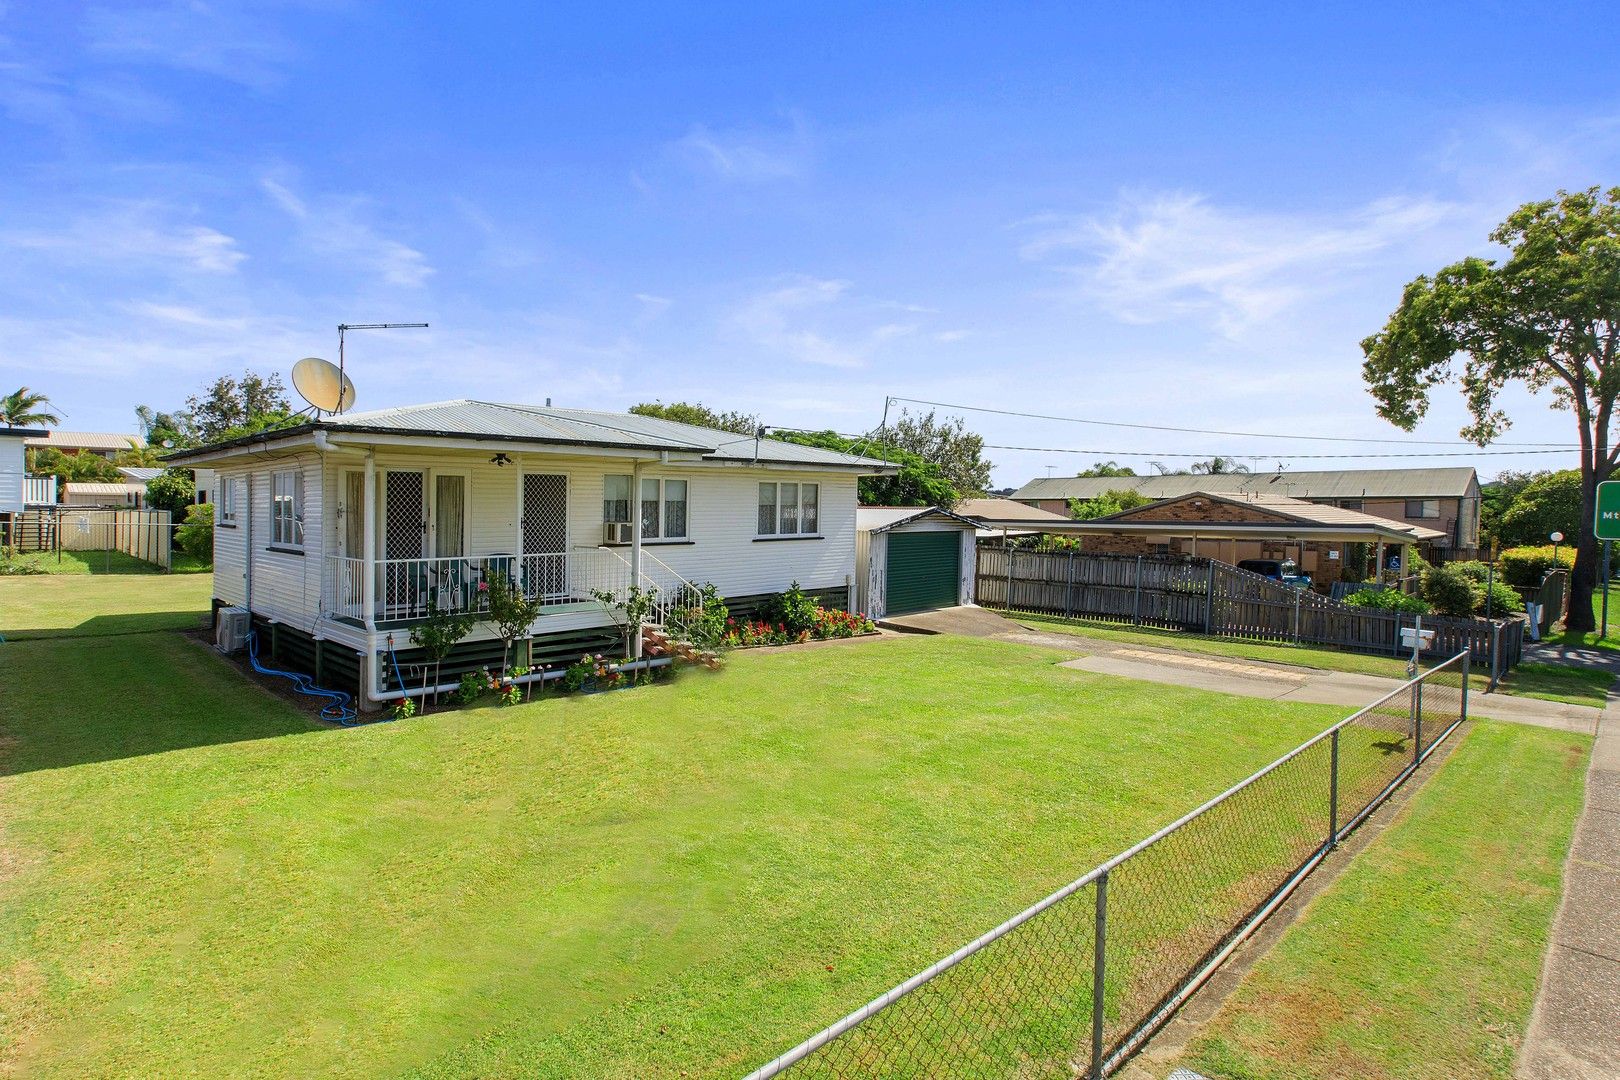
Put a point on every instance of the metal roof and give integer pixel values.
(1005, 510)
(24, 433)
(884, 518)
(139, 474)
(85, 440)
(1451, 482)
(534, 424)
(93, 487)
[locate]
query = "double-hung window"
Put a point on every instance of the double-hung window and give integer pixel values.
(661, 504)
(287, 508)
(225, 508)
(789, 509)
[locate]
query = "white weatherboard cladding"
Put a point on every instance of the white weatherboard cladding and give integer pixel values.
(873, 546)
(722, 516)
(11, 476)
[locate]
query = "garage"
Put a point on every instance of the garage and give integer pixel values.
(911, 558)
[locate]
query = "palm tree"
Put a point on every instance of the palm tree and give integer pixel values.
(24, 408)
(1218, 465)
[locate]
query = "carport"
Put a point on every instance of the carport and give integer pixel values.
(912, 558)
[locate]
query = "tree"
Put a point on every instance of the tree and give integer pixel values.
(1109, 502)
(229, 408)
(958, 452)
(1546, 317)
(1494, 499)
(173, 491)
(918, 483)
(1107, 468)
(437, 635)
(72, 468)
(1218, 466)
(700, 414)
(139, 457)
(1549, 503)
(163, 429)
(25, 408)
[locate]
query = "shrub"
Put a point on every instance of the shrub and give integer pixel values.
(1450, 591)
(702, 623)
(196, 536)
(1388, 600)
(1473, 570)
(794, 610)
(473, 685)
(1504, 600)
(1526, 566)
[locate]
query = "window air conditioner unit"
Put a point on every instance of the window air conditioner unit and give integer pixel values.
(617, 532)
(230, 635)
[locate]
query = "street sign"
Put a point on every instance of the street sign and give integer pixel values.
(1607, 525)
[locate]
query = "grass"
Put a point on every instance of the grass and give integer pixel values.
(1548, 682)
(677, 880)
(1421, 961)
(99, 604)
(1595, 639)
(110, 562)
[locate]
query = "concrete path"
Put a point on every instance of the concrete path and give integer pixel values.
(1575, 1028)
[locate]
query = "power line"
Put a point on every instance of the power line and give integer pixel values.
(1213, 431)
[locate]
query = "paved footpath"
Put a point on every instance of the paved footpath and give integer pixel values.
(1575, 1028)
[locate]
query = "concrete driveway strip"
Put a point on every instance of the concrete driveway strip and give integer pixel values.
(1575, 1028)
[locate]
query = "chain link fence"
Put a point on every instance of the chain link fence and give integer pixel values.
(1148, 927)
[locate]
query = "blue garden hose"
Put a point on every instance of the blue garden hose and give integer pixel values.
(397, 676)
(338, 708)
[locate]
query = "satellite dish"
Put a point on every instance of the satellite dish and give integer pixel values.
(323, 385)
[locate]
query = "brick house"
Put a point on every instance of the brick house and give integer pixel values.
(1444, 501)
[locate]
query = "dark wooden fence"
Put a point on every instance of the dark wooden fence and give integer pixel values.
(1210, 597)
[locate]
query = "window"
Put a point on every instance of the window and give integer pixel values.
(225, 509)
(789, 509)
(1422, 508)
(616, 499)
(287, 508)
(661, 504)
(1350, 504)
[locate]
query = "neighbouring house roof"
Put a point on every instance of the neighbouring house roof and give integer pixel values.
(883, 518)
(84, 440)
(1307, 515)
(1005, 510)
(1450, 483)
(102, 490)
(23, 433)
(140, 474)
(552, 427)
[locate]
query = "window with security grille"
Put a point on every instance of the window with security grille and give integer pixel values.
(287, 508)
(616, 500)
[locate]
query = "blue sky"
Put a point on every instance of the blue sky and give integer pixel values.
(1164, 214)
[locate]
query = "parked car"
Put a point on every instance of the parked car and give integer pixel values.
(1283, 570)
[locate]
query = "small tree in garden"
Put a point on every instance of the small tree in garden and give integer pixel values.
(512, 613)
(630, 611)
(437, 635)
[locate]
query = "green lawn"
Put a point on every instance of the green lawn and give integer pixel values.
(678, 880)
(1422, 960)
(1549, 682)
(109, 562)
(1612, 641)
(102, 604)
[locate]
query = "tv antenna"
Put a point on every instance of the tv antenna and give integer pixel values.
(344, 328)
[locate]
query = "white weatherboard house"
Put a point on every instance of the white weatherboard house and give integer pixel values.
(336, 534)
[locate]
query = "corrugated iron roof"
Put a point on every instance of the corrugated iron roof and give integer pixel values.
(91, 487)
(1448, 482)
(85, 440)
(469, 419)
(1005, 510)
(1297, 510)
(139, 474)
(884, 518)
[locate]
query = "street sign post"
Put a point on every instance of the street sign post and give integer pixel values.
(1606, 528)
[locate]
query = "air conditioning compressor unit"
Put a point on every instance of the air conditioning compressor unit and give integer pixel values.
(231, 632)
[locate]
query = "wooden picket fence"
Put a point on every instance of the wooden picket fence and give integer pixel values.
(1216, 598)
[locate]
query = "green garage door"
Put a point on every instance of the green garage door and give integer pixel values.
(922, 570)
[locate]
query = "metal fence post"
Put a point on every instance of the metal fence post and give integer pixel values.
(1333, 793)
(1417, 722)
(1136, 602)
(1098, 974)
(1462, 713)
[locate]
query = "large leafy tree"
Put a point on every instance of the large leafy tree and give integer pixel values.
(1549, 503)
(1547, 317)
(165, 429)
(230, 407)
(72, 468)
(1109, 502)
(700, 414)
(958, 452)
(918, 483)
(26, 408)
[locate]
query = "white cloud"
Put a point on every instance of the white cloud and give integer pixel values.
(133, 235)
(333, 227)
(749, 155)
(220, 40)
(1177, 256)
(814, 321)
